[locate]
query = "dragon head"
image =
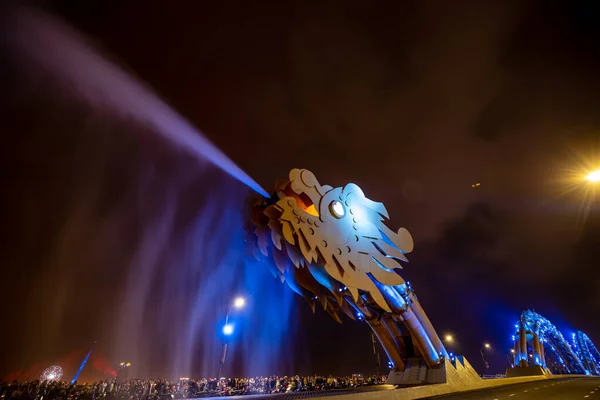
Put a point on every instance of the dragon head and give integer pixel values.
(337, 234)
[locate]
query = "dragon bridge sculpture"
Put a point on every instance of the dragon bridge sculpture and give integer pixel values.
(332, 247)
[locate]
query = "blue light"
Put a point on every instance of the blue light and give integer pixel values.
(83, 364)
(340, 290)
(359, 316)
(228, 329)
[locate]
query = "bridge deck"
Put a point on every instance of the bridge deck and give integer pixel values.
(304, 394)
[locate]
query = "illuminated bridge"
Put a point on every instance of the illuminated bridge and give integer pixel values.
(587, 352)
(539, 345)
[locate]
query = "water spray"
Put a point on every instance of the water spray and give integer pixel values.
(63, 53)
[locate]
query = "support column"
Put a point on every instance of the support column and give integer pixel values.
(542, 356)
(421, 339)
(522, 346)
(394, 330)
(386, 340)
(427, 326)
(535, 346)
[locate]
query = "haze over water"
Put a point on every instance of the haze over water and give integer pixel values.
(133, 221)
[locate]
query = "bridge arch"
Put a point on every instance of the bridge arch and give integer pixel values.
(536, 338)
(587, 352)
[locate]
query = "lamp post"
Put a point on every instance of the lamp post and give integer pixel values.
(485, 363)
(238, 303)
(449, 342)
(375, 352)
(511, 358)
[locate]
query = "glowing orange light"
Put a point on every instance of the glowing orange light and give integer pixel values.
(303, 201)
(312, 210)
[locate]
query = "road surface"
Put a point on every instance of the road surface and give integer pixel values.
(558, 389)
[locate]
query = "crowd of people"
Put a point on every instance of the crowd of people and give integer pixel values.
(142, 389)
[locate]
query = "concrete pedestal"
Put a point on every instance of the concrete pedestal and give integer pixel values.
(417, 373)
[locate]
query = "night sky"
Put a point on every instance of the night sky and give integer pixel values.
(414, 101)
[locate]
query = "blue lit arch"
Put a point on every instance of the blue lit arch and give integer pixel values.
(539, 343)
(587, 352)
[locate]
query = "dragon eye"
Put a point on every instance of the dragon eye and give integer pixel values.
(337, 209)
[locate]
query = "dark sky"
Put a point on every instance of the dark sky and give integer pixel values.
(414, 101)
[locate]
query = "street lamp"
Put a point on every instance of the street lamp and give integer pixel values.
(485, 363)
(228, 329)
(593, 176)
(449, 338)
(238, 303)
